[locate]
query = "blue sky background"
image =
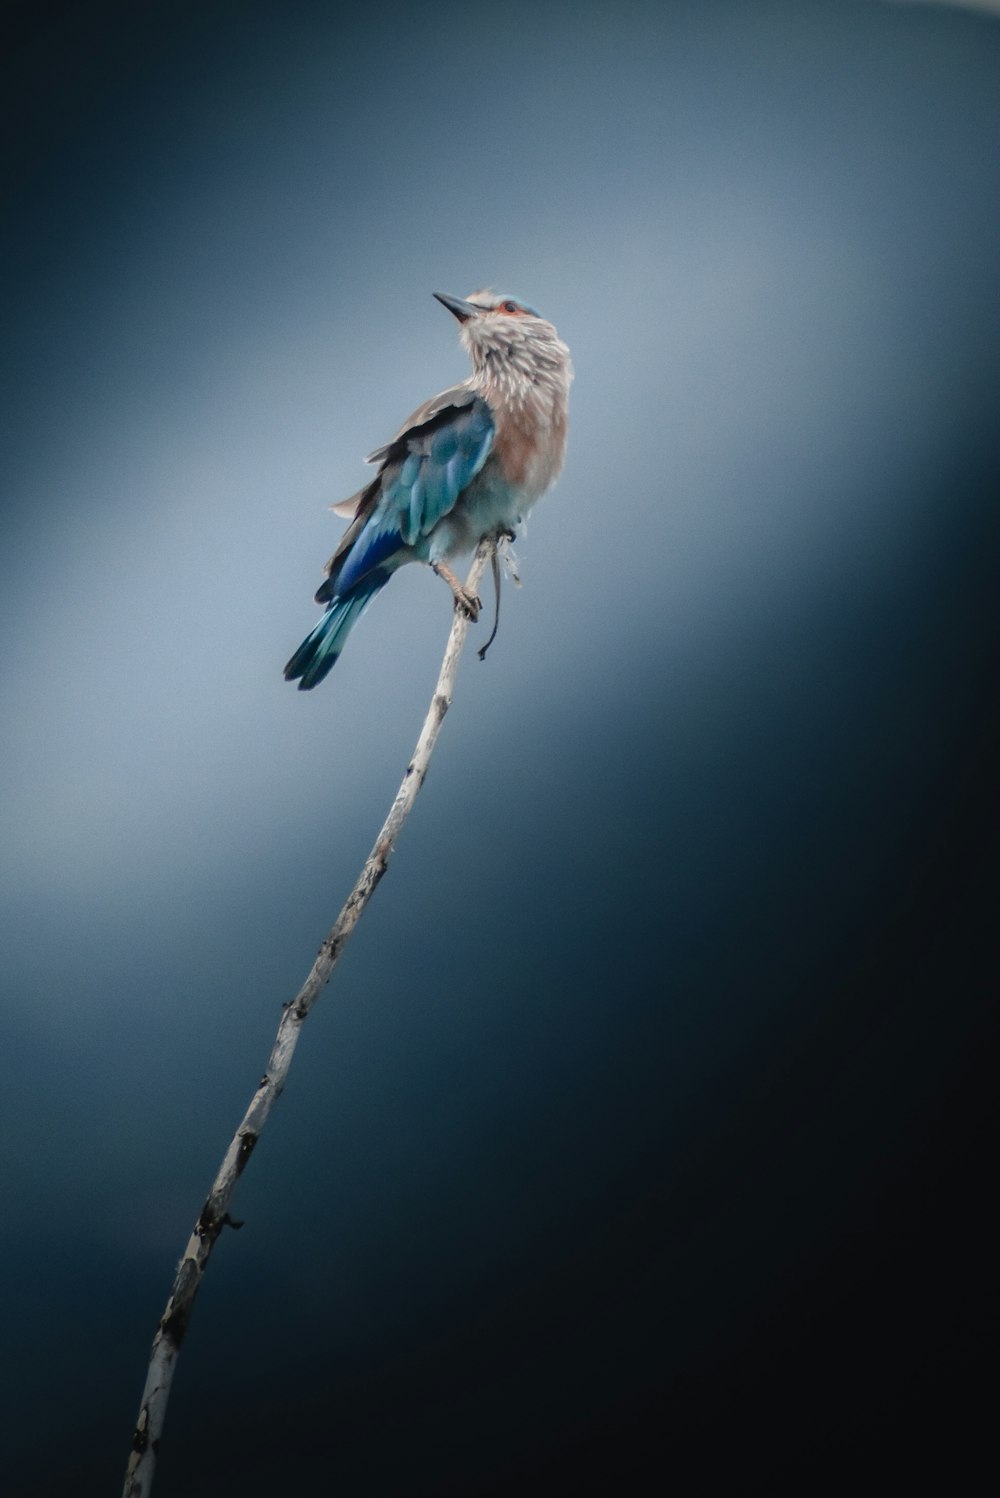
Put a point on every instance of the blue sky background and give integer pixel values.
(640, 1123)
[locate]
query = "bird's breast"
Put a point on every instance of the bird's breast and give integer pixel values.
(529, 453)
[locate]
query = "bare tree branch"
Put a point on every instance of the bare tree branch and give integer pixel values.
(214, 1214)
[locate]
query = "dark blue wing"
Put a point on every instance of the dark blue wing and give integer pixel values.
(423, 472)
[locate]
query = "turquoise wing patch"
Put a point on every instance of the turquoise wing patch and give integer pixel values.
(442, 459)
(424, 471)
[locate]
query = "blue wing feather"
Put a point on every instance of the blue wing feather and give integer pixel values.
(410, 470)
(439, 495)
(411, 521)
(444, 445)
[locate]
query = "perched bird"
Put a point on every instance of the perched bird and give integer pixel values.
(468, 464)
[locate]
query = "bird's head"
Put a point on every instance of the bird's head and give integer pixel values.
(501, 328)
(486, 306)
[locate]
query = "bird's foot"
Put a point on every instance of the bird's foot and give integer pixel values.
(467, 603)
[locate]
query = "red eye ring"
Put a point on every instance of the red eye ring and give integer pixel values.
(509, 307)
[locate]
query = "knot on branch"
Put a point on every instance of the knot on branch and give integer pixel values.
(210, 1224)
(178, 1313)
(248, 1141)
(140, 1436)
(330, 949)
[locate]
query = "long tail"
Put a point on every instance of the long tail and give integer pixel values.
(320, 650)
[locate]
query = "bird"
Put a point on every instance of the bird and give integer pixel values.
(467, 465)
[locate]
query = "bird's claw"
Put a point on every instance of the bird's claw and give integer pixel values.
(465, 602)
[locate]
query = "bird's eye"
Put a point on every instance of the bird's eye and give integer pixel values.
(509, 307)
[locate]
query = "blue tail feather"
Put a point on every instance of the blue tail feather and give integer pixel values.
(320, 650)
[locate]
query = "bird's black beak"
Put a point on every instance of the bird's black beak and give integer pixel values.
(462, 310)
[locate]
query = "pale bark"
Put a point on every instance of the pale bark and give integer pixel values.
(214, 1215)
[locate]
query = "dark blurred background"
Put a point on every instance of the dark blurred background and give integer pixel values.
(640, 1142)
